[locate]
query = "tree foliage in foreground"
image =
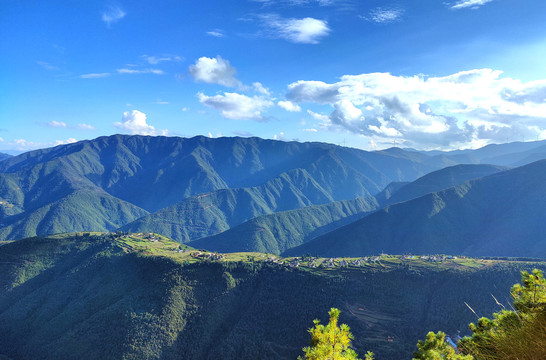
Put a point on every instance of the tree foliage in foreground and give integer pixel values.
(331, 342)
(518, 334)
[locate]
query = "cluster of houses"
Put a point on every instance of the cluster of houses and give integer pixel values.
(208, 256)
(435, 258)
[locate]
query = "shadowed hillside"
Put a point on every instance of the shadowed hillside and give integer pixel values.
(499, 215)
(114, 296)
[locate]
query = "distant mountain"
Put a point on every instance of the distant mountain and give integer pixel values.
(99, 296)
(211, 213)
(280, 231)
(141, 174)
(498, 215)
(436, 181)
(4, 156)
(509, 154)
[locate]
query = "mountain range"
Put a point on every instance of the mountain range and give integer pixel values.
(251, 194)
(497, 215)
(80, 186)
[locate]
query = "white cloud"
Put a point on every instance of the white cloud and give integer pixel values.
(258, 87)
(321, 117)
(289, 106)
(56, 124)
(469, 107)
(140, 71)
(474, 4)
(134, 122)
(384, 15)
(113, 14)
(84, 126)
(154, 60)
(237, 106)
(303, 31)
(214, 71)
(216, 33)
(280, 136)
(161, 102)
(310, 130)
(1, 139)
(185, 109)
(63, 142)
(94, 75)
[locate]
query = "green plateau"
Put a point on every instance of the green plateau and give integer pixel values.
(142, 295)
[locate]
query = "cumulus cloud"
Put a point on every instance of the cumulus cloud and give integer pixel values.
(383, 15)
(474, 4)
(258, 87)
(113, 14)
(302, 31)
(237, 106)
(289, 106)
(469, 107)
(214, 71)
(63, 142)
(134, 122)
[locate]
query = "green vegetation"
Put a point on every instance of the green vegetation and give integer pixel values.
(280, 231)
(331, 342)
(435, 347)
(518, 334)
(120, 295)
(498, 215)
(106, 183)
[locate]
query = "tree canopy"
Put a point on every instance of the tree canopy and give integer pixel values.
(518, 334)
(331, 342)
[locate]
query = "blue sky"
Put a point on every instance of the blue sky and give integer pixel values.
(368, 74)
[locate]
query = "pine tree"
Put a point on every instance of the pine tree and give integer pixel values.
(331, 342)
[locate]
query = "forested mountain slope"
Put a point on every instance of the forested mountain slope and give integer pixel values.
(141, 174)
(112, 297)
(275, 233)
(498, 215)
(439, 180)
(279, 232)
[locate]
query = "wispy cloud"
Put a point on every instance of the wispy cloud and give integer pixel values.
(112, 15)
(383, 15)
(154, 60)
(94, 75)
(214, 71)
(216, 33)
(161, 102)
(473, 4)
(84, 126)
(56, 124)
(301, 31)
(140, 71)
(46, 65)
